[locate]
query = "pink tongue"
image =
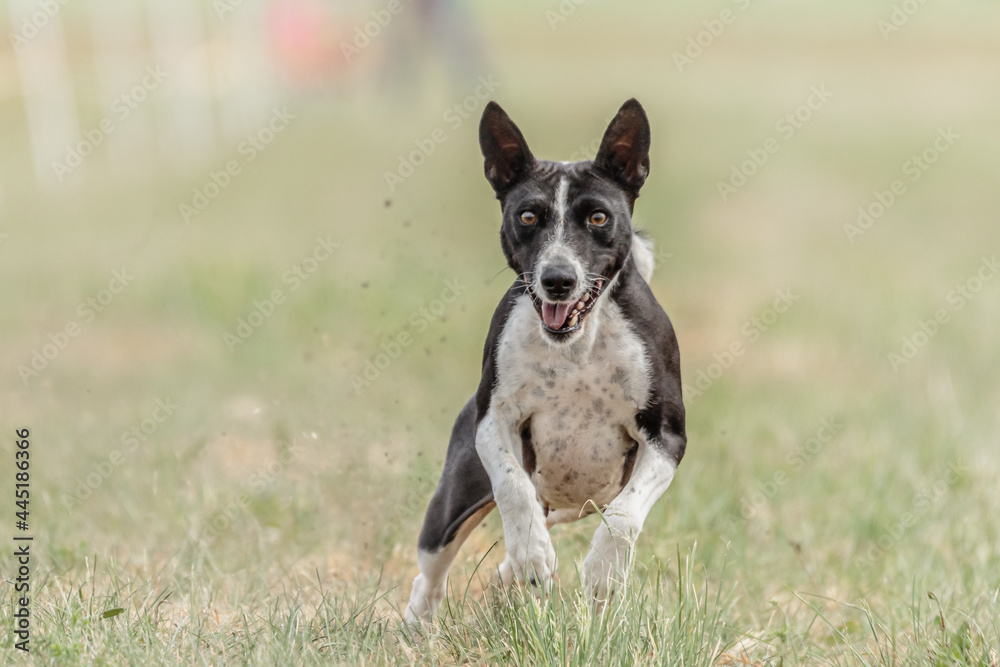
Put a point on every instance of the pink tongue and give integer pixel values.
(554, 314)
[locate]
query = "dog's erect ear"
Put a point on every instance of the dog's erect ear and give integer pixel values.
(507, 158)
(624, 152)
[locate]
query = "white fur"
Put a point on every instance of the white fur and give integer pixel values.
(610, 559)
(642, 255)
(581, 396)
(431, 585)
(561, 204)
(557, 251)
(530, 555)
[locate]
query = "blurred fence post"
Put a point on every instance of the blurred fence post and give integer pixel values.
(244, 72)
(218, 80)
(187, 126)
(117, 33)
(49, 99)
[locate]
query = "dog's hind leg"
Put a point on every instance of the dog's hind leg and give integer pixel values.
(462, 500)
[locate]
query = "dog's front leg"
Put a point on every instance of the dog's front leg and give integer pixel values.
(608, 563)
(530, 556)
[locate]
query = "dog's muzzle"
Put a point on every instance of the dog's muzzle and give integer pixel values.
(564, 318)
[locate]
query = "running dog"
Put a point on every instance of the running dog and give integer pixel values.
(579, 407)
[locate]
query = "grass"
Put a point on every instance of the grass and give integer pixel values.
(667, 615)
(830, 509)
(123, 621)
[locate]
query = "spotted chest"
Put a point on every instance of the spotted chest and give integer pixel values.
(573, 405)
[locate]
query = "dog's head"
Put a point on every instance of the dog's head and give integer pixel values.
(567, 227)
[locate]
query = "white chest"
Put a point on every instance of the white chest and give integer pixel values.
(575, 403)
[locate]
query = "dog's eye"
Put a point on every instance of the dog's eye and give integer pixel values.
(528, 218)
(598, 218)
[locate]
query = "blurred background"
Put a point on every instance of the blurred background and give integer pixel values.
(248, 260)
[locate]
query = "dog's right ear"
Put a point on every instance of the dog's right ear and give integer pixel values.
(507, 158)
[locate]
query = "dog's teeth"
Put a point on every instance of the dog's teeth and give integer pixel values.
(585, 298)
(573, 320)
(580, 304)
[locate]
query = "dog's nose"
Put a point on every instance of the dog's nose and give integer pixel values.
(558, 281)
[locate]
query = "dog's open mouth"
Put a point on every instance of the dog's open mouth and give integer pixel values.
(564, 318)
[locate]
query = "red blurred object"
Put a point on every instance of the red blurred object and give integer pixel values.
(301, 34)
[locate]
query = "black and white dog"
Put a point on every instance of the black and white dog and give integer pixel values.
(579, 407)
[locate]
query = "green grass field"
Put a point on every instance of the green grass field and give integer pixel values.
(837, 504)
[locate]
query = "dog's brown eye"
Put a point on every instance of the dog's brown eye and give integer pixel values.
(528, 218)
(598, 218)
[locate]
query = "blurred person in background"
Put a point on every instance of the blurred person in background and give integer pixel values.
(317, 42)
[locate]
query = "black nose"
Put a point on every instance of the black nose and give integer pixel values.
(558, 281)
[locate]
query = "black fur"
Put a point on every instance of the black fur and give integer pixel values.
(464, 487)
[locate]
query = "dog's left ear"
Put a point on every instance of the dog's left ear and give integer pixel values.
(624, 152)
(507, 158)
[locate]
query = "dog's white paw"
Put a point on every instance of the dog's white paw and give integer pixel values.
(606, 567)
(424, 601)
(601, 578)
(532, 563)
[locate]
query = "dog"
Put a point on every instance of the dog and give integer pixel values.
(579, 407)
